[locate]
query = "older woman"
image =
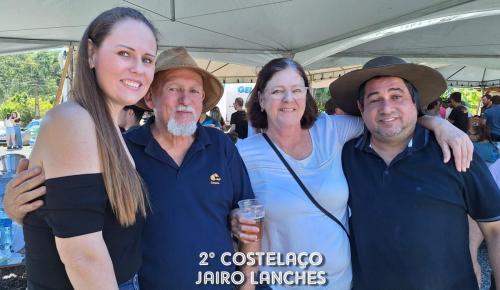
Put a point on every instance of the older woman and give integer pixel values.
(281, 104)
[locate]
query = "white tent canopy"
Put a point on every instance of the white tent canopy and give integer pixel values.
(470, 76)
(333, 35)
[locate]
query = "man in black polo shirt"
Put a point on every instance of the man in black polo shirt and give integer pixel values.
(409, 210)
(459, 115)
(239, 122)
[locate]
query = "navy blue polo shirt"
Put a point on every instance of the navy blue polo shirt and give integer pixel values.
(409, 219)
(493, 119)
(190, 206)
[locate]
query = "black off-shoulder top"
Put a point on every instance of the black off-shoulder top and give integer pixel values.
(73, 206)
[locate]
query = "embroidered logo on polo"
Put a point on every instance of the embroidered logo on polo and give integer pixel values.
(215, 178)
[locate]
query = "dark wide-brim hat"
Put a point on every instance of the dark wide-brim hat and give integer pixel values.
(429, 83)
(178, 58)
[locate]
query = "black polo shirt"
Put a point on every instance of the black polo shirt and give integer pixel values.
(190, 206)
(239, 119)
(460, 117)
(409, 219)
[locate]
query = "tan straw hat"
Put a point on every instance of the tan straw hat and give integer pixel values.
(429, 83)
(176, 58)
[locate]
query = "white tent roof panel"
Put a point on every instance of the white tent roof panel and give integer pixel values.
(477, 37)
(319, 34)
(231, 25)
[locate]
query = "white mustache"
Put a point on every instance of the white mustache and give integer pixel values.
(184, 108)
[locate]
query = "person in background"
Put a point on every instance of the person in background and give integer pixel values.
(87, 232)
(486, 102)
(10, 133)
(491, 117)
(217, 115)
(17, 127)
(239, 121)
(434, 108)
(442, 110)
(331, 108)
(447, 108)
(479, 134)
(459, 115)
(207, 121)
(130, 117)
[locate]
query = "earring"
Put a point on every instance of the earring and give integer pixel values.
(261, 109)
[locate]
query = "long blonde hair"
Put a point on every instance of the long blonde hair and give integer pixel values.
(124, 186)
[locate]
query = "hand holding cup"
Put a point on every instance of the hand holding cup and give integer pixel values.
(247, 220)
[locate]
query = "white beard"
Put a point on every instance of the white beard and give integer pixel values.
(177, 129)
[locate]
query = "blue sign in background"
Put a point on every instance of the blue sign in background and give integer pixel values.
(246, 90)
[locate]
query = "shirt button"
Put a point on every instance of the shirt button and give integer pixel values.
(386, 172)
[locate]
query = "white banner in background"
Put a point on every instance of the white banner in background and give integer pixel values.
(231, 92)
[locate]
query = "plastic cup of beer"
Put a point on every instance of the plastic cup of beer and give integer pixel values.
(254, 210)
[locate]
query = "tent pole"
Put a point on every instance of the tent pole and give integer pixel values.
(71, 71)
(69, 58)
(482, 92)
(172, 10)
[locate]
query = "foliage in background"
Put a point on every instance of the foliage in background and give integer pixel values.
(470, 97)
(321, 95)
(25, 75)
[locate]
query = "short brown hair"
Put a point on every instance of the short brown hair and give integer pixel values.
(456, 96)
(482, 131)
(239, 101)
(330, 106)
(495, 99)
(257, 117)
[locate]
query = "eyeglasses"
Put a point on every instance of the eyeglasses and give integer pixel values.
(177, 92)
(279, 93)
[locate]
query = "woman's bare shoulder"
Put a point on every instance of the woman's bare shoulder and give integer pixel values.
(71, 113)
(67, 143)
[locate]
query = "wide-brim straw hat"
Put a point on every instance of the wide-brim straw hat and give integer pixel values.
(177, 58)
(429, 83)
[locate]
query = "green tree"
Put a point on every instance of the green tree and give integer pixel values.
(24, 76)
(321, 95)
(33, 73)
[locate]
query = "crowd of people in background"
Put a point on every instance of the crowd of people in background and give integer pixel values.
(237, 128)
(483, 128)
